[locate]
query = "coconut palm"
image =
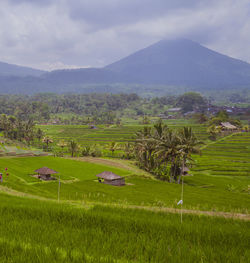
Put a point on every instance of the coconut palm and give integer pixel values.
(188, 144)
(113, 146)
(73, 147)
(39, 134)
(47, 140)
(167, 150)
(144, 151)
(128, 149)
(62, 144)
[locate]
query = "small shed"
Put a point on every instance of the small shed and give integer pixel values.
(228, 126)
(174, 110)
(185, 171)
(111, 178)
(45, 173)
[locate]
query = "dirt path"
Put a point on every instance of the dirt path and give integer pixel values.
(196, 212)
(123, 164)
(148, 208)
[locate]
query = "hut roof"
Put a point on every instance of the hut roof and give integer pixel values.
(185, 169)
(228, 125)
(45, 170)
(174, 109)
(108, 176)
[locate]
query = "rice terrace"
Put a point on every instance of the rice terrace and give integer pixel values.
(78, 219)
(124, 131)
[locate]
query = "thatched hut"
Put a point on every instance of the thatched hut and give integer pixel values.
(45, 173)
(185, 171)
(111, 178)
(228, 126)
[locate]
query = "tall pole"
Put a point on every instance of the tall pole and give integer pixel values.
(58, 193)
(182, 196)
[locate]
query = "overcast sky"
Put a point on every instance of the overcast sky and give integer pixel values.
(54, 34)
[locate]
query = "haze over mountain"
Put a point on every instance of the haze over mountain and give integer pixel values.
(178, 63)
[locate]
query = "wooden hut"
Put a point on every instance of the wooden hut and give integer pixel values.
(111, 178)
(185, 171)
(228, 126)
(45, 173)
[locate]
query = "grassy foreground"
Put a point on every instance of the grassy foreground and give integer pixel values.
(42, 231)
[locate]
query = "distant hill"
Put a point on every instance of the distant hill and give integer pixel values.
(18, 71)
(180, 64)
(183, 62)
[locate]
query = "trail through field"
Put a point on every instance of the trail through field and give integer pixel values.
(115, 163)
(149, 208)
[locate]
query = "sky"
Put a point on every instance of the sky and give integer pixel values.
(56, 34)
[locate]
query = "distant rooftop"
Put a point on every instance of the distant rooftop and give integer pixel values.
(228, 125)
(174, 109)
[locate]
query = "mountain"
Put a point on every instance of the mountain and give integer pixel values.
(179, 64)
(182, 62)
(18, 71)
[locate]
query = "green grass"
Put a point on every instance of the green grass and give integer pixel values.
(79, 184)
(103, 135)
(36, 231)
(86, 227)
(229, 156)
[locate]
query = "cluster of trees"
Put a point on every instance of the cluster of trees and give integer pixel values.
(24, 107)
(191, 101)
(98, 108)
(16, 129)
(165, 152)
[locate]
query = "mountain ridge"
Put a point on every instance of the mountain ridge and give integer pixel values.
(7, 69)
(176, 62)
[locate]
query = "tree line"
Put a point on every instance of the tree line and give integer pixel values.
(23, 131)
(96, 108)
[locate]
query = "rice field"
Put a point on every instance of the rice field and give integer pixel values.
(95, 222)
(230, 156)
(42, 231)
(79, 184)
(103, 134)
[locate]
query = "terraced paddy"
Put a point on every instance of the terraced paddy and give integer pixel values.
(79, 184)
(139, 222)
(103, 135)
(229, 156)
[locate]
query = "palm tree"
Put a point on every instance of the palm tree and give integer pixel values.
(62, 144)
(39, 134)
(144, 151)
(128, 149)
(113, 147)
(214, 131)
(188, 144)
(73, 147)
(167, 150)
(47, 140)
(160, 130)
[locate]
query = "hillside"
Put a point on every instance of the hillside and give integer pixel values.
(183, 62)
(18, 71)
(169, 64)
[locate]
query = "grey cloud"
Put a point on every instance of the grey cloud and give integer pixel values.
(53, 33)
(102, 14)
(33, 2)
